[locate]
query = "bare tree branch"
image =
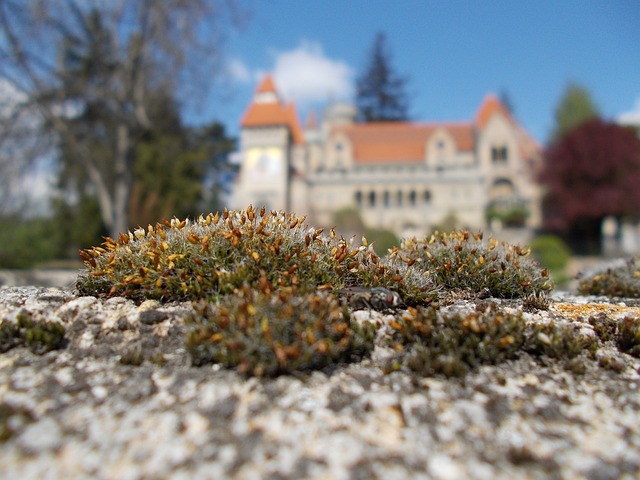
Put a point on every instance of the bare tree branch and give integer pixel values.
(89, 67)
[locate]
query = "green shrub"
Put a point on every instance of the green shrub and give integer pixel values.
(463, 262)
(381, 239)
(552, 253)
(619, 281)
(25, 243)
(265, 334)
(515, 216)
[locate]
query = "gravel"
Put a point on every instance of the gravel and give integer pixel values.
(79, 412)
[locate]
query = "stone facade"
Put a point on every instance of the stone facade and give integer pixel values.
(404, 176)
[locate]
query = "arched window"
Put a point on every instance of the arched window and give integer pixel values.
(385, 199)
(412, 198)
(358, 198)
(499, 155)
(372, 198)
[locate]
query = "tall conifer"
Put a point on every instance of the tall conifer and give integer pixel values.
(380, 91)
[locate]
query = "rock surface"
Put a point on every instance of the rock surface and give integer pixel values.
(89, 411)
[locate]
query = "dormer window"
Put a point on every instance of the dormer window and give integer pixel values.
(499, 155)
(266, 97)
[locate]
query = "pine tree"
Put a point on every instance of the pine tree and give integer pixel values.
(380, 91)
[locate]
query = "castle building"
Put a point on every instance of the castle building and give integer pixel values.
(408, 177)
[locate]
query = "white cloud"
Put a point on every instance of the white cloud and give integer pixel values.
(632, 117)
(306, 76)
(239, 71)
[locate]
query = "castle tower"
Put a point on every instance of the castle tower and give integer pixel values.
(269, 133)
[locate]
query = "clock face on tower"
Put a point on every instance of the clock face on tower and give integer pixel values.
(264, 164)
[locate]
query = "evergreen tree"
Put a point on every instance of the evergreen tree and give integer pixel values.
(505, 99)
(380, 91)
(575, 107)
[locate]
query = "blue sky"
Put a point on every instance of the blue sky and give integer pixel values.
(453, 52)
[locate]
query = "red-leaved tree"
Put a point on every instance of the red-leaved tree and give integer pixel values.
(591, 172)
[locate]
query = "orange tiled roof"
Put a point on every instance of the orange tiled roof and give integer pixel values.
(267, 85)
(272, 112)
(489, 107)
(401, 141)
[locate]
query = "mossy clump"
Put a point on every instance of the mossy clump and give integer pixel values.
(217, 254)
(261, 333)
(429, 342)
(625, 332)
(560, 341)
(620, 281)
(39, 336)
(628, 336)
(461, 261)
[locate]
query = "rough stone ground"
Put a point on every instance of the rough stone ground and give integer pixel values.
(80, 413)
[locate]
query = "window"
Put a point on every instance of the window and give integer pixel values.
(358, 198)
(426, 196)
(399, 196)
(499, 154)
(372, 199)
(385, 199)
(412, 198)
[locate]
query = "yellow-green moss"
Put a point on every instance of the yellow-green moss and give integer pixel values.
(463, 262)
(37, 335)
(620, 281)
(429, 342)
(265, 334)
(214, 255)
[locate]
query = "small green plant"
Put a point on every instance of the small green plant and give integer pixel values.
(430, 342)
(619, 281)
(461, 261)
(262, 333)
(217, 254)
(39, 336)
